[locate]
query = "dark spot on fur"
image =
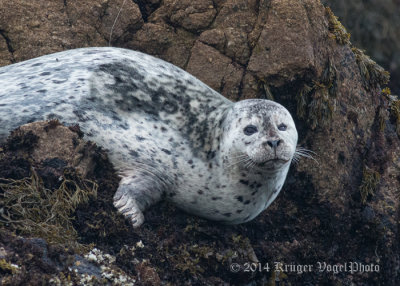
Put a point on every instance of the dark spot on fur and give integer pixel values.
(166, 151)
(210, 155)
(163, 129)
(216, 198)
(134, 153)
(172, 195)
(244, 182)
(227, 214)
(60, 81)
(190, 162)
(45, 73)
(140, 138)
(200, 192)
(124, 126)
(253, 193)
(247, 202)
(239, 198)
(239, 211)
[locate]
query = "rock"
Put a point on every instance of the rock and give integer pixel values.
(57, 26)
(375, 27)
(341, 208)
(193, 16)
(147, 275)
(211, 66)
(284, 50)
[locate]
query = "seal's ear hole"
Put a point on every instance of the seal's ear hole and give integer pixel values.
(282, 127)
(250, 130)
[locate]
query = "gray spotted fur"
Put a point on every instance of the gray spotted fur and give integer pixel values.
(167, 133)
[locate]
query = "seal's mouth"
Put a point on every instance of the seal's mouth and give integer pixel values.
(272, 162)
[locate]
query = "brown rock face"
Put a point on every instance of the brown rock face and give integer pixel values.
(375, 27)
(284, 50)
(342, 209)
(32, 29)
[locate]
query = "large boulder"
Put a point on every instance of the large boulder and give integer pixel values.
(335, 213)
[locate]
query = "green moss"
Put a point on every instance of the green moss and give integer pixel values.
(394, 105)
(337, 30)
(395, 111)
(8, 267)
(264, 89)
(315, 101)
(370, 181)
(372, 74)
(320, 108)
(382, 117)
(31, 209)
(186, 262)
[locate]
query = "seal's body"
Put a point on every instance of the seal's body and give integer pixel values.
(167, 133)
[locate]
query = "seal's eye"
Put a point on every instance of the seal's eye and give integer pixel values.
(282, 127)
(250, 130)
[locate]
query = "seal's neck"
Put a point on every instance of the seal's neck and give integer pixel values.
(212, 140)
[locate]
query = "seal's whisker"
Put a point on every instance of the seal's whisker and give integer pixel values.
(238, 159)
(239, 156)
(305, 153)
(237, 162)
(247, 165)
(252, 165)
(295, 160)
(302, 149)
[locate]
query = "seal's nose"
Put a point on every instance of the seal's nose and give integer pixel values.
(273, 143)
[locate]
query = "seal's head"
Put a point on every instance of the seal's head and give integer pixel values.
(260, 134)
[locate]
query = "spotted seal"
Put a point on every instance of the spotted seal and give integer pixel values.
(167, 133)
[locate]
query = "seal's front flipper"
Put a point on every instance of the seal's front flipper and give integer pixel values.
(135, 194)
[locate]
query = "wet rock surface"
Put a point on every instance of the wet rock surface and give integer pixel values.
(341, 211)
(375, 27)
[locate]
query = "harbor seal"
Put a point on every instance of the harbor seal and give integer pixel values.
(167, 134)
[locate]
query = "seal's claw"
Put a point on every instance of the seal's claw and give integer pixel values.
(136, 218)
(121, 201)
(129, 208)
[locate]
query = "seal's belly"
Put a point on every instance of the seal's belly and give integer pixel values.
(218, 198)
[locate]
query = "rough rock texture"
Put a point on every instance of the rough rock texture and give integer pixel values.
(342, 209)
(375, 27)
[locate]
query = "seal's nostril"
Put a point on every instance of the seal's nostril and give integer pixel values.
(273, 143)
